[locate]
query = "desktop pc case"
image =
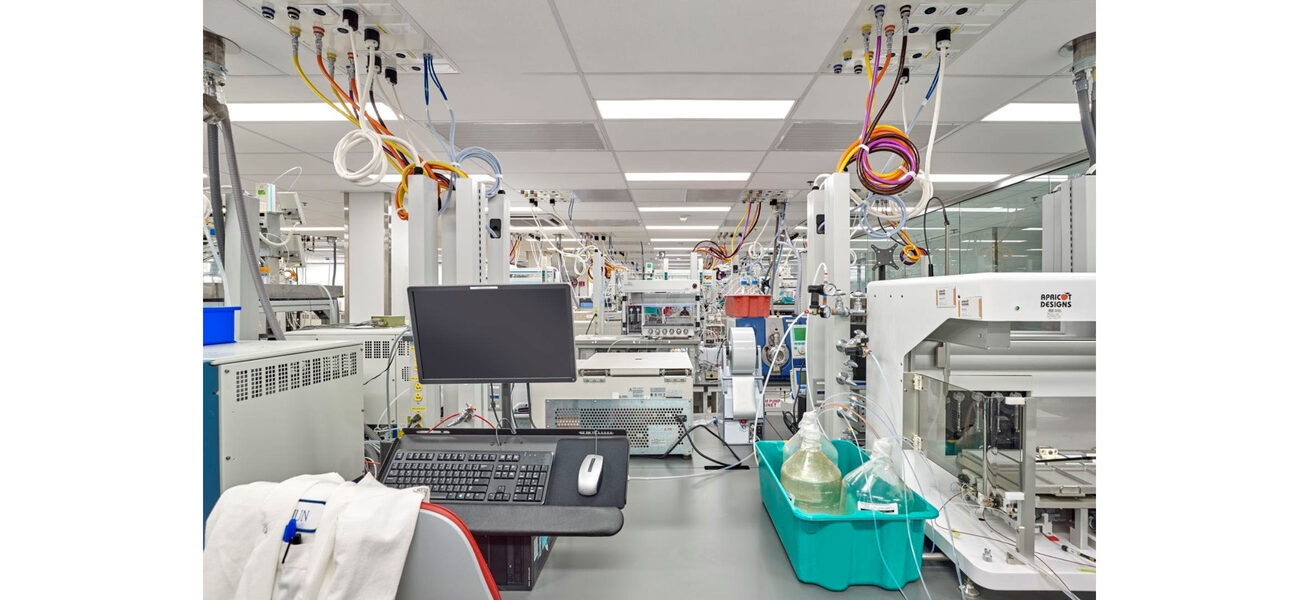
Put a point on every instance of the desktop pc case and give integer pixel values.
(648, 394)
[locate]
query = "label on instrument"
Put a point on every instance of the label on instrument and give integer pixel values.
(886, 508)
(417, 408)
(636, 392)
(945, 297)
(971, 308)
(658, 392)
(661, 436)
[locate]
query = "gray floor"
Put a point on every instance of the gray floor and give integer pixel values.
(706, 537)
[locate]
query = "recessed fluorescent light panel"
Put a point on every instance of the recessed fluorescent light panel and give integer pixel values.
(1059, 112)
(694, 109)
(687, 176)
(291, 112)
(966, 178)
(684, 209)
(683, 227)
(678, 240)
(989, 209)
(311, 229)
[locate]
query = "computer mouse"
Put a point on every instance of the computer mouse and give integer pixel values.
(589, 474)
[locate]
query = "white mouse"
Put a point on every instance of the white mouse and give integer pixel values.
(589, 474)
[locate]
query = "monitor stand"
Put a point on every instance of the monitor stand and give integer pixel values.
(507, 408)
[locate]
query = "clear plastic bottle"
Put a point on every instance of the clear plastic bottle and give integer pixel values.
(875, 486)
(811, 479)
(810, 426)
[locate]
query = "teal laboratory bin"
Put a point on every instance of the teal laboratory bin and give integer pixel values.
(836, 551)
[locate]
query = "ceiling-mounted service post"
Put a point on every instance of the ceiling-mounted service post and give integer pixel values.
(214, 76)
(1083, 52)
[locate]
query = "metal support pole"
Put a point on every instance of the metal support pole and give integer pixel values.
(1028, 471)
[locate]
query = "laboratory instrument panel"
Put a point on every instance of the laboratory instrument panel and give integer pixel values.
(665, 320)
(647, 394)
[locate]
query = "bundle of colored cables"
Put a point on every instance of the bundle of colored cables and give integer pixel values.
(387, 148)
(716, 253)
(449, 144)
(885, 187)
(883, 138)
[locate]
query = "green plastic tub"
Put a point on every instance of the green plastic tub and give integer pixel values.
(836, 551)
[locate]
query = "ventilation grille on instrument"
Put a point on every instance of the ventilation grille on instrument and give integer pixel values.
(835, 136)
(635, 420)
(267, 380)
(508, 137)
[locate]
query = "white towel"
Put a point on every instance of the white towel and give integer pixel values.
(357, 551)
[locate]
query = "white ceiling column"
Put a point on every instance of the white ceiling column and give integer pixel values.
(364, 283)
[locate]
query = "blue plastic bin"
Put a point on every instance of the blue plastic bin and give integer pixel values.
(218, 324)
(836, 551)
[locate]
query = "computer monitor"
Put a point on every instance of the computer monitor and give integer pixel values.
(493, 334)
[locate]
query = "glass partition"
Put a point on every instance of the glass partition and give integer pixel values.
(997, 232)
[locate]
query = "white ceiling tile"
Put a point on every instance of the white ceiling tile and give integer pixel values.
(688, 185)
(565, 181)
(671, 219)
(781, 181)
(263, 48)
(492, 97)
(1052, 89)
(306, 137)
(335, 183)
(1035, 138)
(712, 162)
(562, 162)
(1026, 41)
(255, 140)
(495, 36)
(1011, 163)
(964, 98)
(799, 162)
(692, 135)
(252, 164)
(661, 196)
(272, 88)
(694, 87)
(773, 36)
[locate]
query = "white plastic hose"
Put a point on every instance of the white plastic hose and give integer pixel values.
(927, 187)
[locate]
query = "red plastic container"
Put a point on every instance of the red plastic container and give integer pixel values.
(743, 306)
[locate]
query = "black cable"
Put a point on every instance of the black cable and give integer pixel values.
(925, 229)
(724, 443)
(678, 442)
(696, 449)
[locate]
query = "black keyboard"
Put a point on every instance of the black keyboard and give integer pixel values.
(473, 476)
